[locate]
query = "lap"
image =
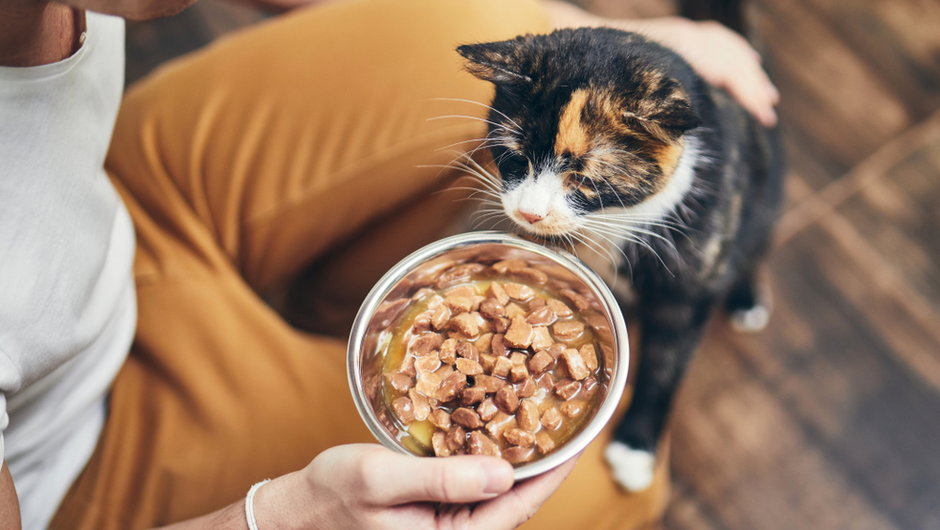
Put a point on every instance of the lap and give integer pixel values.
(240, 165)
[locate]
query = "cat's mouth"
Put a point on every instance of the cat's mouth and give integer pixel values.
(548, 226)
(543, 233)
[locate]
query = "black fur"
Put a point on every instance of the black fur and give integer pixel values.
(726, 220)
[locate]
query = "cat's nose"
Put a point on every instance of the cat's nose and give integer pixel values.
(530, 217)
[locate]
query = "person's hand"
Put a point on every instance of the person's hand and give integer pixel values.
(721, 56)
(369, 486)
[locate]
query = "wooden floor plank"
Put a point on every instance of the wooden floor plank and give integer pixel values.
(828, 89)
(899, 40)
(748, 458)
(899, 216)
(825, 390)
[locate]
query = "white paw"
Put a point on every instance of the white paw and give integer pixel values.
(750, 320)
(632, 468)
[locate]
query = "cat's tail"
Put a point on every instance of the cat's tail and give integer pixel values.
(728, 12)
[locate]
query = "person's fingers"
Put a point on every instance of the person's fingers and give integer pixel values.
(740, 72)
(388, 478)
(520, 503)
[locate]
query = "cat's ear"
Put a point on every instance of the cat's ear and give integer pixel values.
(668, 121)
(497, 62)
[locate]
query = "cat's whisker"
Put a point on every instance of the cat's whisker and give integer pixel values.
(624, 229)
(476, 170)
(473, 195)
(518, 127)
(487, 183)
(485, 214)
(612, 220)
(615, 245)
(477, 118)
(598, 248)
(485, 141)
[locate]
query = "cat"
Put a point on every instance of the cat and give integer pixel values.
(611, 143)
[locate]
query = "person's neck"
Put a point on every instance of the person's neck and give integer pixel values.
(36, 32)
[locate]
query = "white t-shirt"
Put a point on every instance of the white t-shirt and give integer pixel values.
(67, 302)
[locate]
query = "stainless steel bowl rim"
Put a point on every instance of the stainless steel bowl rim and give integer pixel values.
(381, 289)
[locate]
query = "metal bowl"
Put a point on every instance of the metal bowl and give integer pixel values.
(390, 296)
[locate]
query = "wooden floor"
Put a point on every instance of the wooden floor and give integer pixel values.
(830, 419)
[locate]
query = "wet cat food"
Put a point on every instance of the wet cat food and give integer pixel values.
(493, 360)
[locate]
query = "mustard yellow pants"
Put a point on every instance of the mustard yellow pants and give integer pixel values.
(294, 144)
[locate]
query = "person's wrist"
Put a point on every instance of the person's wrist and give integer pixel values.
(283, 502)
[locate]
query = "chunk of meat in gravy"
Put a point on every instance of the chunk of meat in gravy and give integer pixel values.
(575, 364)
(518, 373)
(425, 343)
(544, 442)
(440, 418)
(472, 395)
(507, 400)
(399, 381)
(439, 444)
(466, 324)
(560, 308)
(467, 418)
(519, 437)
(528, 415)
(526, 388)
(589, 354)
(450, 386)
(487, 409)
(540, 362)
(469, 366)
(542, 316)
(541, 338)
(519, 334)
(428, 363)
(456, 437)
(518, 291)
(552, 419)
(449, 351)
(467, 350)
(531, 275)
(422, 407)
(518, 455)
(577, 299)
(497, 292)
(439, 317)
(404, 410)
(509, 265)
(567, 330)
(491, 308)
(566, 388)
(502, 366)
(480, 444)
(489, 383)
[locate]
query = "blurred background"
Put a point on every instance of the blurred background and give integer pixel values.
(830, 418)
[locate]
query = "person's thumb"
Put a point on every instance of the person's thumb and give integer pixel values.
(397, 479)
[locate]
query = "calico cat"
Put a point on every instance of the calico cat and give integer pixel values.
(603, 138)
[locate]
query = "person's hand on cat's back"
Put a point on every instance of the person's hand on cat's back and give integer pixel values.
(721, 56)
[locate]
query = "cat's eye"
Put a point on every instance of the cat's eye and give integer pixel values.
(512, 163)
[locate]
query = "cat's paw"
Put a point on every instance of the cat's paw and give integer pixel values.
(632, 468)
(750, 320)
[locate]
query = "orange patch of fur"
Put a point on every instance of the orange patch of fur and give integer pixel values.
(572, 135)
(667, 156)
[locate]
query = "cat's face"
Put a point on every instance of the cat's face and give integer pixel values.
(583, 122)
